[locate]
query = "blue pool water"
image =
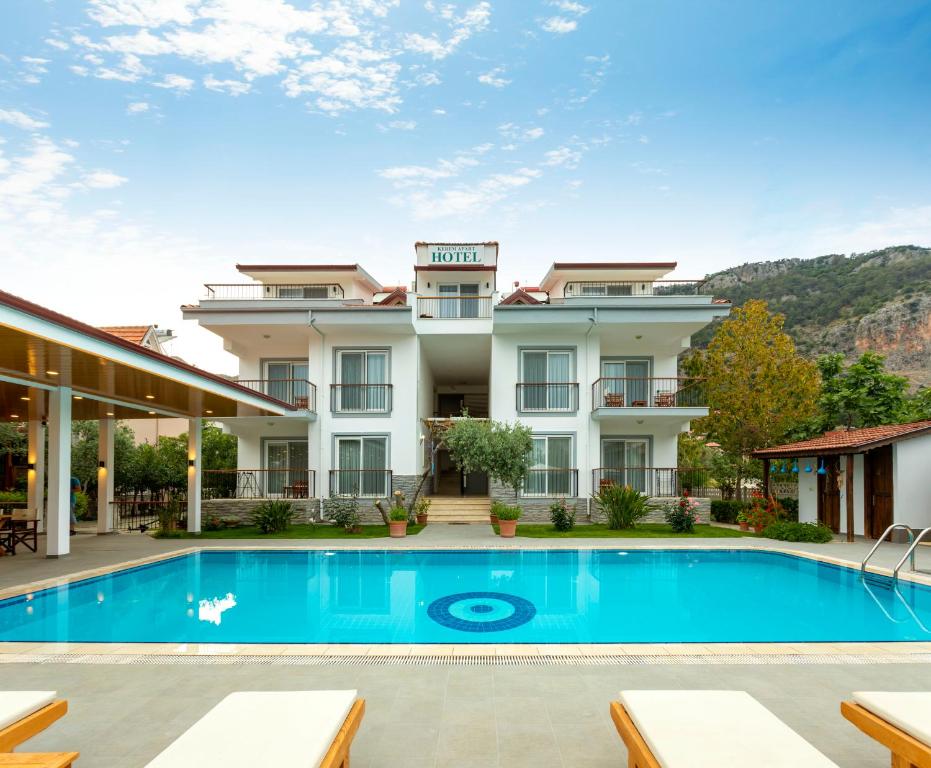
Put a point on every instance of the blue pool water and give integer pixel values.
(474, 597)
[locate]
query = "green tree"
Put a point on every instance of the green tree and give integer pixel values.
(861, 395)
(919, 406)
(219, 449)
(85, 439)
(501, 450)
(758, 387)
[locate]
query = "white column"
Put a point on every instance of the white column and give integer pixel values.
(58, 541)
(105, 472)
(193, 475)
(35, 477)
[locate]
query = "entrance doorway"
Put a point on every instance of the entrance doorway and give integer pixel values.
(877, 470)
(829, 494)
(451, 482)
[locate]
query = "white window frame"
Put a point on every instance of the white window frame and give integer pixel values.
(547, 492)
(551, 395)
(628, 475)
(360, 439)
(377, 400)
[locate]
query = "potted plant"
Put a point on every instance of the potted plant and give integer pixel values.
(507, 521)
(397, 517)
(493, 515)
(422, 509)
(743, 520)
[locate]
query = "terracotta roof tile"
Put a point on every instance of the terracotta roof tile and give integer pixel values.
(846, 440)
(520, 296)
(132, 333)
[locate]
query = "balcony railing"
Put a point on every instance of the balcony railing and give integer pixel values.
(551, 481)
(135, 514)
(612, 288)
(257, 291)
(548, 397)
(653, 481)
(453, 307)
(258, 484)
(360, 398)
(297, 392)
(372, 483)
(671, 392)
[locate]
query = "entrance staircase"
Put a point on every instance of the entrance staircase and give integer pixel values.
(459, 509)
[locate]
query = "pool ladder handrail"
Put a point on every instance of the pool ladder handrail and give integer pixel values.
(890, 529)
(910, 553)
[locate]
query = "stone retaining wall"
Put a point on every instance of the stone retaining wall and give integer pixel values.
(306, 510)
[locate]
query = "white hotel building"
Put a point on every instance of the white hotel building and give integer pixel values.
(587, 359)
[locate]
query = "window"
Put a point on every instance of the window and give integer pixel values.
(607, 289)
(286, 380)
(286, 469)
(626, 383)
(546, 378)
(625, 461)
(362, 381)
(361, 464)
(458, 299)
(303, 292)
(551, 472)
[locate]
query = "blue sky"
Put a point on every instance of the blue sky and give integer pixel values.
(148, 145)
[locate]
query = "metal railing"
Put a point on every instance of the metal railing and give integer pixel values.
(910, 553)
(655, 481)
(613, 288)
(670, 392)
(373, 483)
(548, 397)
(292, 483)
(453, 307)
(894, 527)
(297, 392)
(142, 514)
(360, 398)
(551, 481)
(257, 291)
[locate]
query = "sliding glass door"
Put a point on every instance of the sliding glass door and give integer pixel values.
(551, 472)
(626, 383)
(362, 381)
(287, 381)
(546, 375)
(286, 468)
(361, 466)
(624, 462)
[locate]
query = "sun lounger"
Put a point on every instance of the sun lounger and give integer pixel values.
(23, 714)
(37, 759)
(707, 729)
(285, 729)
(899, 721)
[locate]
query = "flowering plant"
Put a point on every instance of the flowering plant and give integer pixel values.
(763, 510)
(683, 514)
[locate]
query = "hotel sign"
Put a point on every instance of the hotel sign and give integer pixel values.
(454, 254)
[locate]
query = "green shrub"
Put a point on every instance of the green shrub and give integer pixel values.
(789, 508)
(217, 523)
(621, 505)
(682, 515)
(12, 497)
(726, 510)
(790, 531)
(168, 516)
(508, 513)
(81, 505)
(563, 518)
(273, 516)
(342, 511)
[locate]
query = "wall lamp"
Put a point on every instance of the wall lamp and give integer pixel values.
(31, 466)
(102, 464)
(190, 462)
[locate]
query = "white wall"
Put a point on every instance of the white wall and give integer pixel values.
(911, 466)
(808, 493)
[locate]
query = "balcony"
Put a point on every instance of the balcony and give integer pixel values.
(259, 291)
(613, 288)
(258, 484)
(454, 307)
(299, 393)
(665, 482)
(672, 392)
(360, 398)
(551, 481)
(369, 483)
(561, 397)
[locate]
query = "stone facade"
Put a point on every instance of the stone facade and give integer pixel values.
(368, 512)
(657, 511)
(307, 510)
(536, 509)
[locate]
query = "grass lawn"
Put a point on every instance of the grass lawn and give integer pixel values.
(642, 531)
(297, 531)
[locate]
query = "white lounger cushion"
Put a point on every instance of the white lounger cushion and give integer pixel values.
(15, 705)
(285, 729)
(908, 711)
(712, 729)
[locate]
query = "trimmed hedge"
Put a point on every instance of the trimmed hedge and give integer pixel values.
(808, 532)
(727, 511)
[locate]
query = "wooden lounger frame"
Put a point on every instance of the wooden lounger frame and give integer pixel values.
(338, 754)
(38, 759)
(16, 733)
(638, 753)
(907, 751)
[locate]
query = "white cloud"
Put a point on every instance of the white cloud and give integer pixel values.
(137, 108)
(439, 111)
(20, 120)
(398, 125)
(907, 225)
(31, 187)
(559, 25)
(466, 200)
(494, 78)
(514, 132)
(175, 83)
(428, 78)
(232, 87)
(473, 21)
(103, 180)
(61, 45)
(568, 6)
(563, 157)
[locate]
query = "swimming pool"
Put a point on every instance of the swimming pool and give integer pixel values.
(503, 596)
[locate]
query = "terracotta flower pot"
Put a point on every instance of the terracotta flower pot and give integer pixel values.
(507, 528)
(494, 519)
(422, 519)
(744, 525)
(397, 529)
(758, 528)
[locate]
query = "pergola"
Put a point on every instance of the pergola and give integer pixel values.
(54, 369)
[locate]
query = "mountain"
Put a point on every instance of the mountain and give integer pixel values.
(878, 301)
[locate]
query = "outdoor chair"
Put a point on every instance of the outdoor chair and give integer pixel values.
(23, 714)
(665, 399)
(707, 729)
(899, 721)
(24, 527)
(285, 729)
(614, 399)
